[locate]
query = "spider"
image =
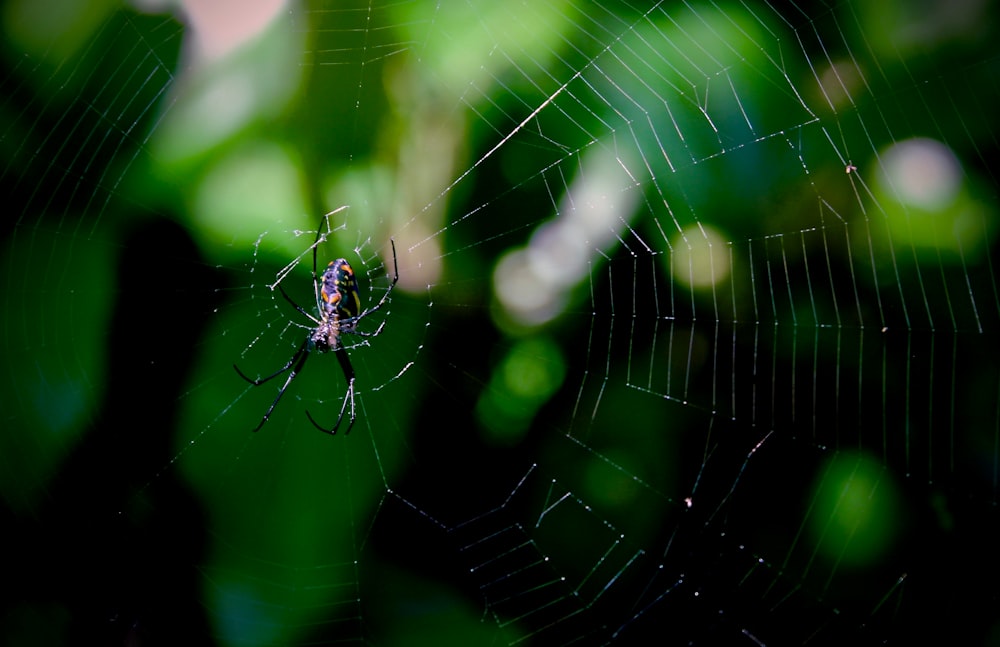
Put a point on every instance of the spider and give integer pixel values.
(338, 304)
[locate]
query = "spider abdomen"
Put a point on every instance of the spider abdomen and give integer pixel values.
(339, 290)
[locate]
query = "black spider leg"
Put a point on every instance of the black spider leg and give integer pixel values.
(345, 365)
(295, 364)
(319, 235)
(385, 297)
(297, 306)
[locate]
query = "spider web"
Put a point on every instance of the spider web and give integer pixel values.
(694, 336)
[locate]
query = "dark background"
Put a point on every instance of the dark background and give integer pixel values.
(805, 454)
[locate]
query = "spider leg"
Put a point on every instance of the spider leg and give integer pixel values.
(385, 297)
(281, 370)
(347, 328)
(395, 264)
(295, 364)
(315, 275)
(345, 365)
(295, 305)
